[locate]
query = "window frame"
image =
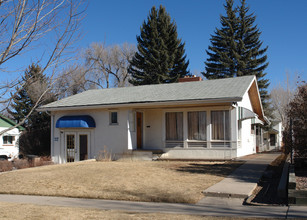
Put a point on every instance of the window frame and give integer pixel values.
(198, 125)
(182, 126)
(225, 125)
(7, 142)
(111, 113)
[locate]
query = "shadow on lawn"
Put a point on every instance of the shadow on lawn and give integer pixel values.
(222, 170)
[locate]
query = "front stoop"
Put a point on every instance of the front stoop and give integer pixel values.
(141, 155)
(297, 197)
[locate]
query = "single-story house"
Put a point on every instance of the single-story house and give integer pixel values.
(210, 119)
(273, 136)
(9, 147)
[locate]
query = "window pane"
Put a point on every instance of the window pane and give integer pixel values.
(113, 117)
(7, 139)
(239, 129)
(197, 125)
(220, 125)
(174, 125)
(272, 140)
(227, 126)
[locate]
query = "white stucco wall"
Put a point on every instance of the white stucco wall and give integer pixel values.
(153, 129)
(279, 128)
(248, 141)
(112, 137)
(12, 149)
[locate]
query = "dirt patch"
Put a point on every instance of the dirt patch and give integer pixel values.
(266, 190)
(301, 179)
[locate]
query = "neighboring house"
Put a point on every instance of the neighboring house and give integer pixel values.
(189, 120)
(273, 136)
(9, 148)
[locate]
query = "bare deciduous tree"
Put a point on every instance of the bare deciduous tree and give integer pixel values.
(28, 24)
(72, 81)
(281, 95)
(108, 65)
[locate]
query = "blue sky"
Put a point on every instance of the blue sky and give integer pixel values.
(283, 24)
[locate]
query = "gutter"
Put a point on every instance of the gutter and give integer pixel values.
(141, 104)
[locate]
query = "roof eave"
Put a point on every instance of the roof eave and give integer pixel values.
(141, 104)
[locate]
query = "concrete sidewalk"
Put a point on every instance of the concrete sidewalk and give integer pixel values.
(230, 207)
(242, 182)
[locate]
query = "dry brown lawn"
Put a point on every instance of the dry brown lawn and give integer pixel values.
(26, 211)
(162, 181)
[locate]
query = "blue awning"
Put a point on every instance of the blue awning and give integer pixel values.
(76, 121)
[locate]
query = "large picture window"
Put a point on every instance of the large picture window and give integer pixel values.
(220, 125)
(197, 126)
(174, 126)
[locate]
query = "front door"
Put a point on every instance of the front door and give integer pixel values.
(139, 130)
(76, 145)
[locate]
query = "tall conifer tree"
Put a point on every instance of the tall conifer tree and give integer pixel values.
(161, 55)
(252, 58)
(222, 61)
(237, 50)
(36, 138)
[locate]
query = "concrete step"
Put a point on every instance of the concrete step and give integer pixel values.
(297, 197)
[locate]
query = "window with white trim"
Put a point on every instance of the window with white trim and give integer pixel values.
(8, 139)
(174, 126)
(220, 121)
(113, 118)
(239, 129)
(197, 125)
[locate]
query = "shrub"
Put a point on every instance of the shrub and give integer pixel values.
(21, 164)
(42, 161)
(105, 155)
(5, 165)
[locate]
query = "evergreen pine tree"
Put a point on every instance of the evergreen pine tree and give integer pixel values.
(237, 50)
(222, 54)
(36, 138)
(161, 56)
(21, 104)
(253, 60)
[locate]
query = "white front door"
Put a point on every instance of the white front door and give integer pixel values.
(76, 146)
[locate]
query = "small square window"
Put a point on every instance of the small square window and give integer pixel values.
(113, 118)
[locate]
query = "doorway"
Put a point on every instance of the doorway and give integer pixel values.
(76, 146)
(139, 130)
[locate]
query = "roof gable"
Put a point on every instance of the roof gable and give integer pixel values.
(255, 99)
(5, 122)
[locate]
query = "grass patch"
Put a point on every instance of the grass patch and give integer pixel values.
(163, 181)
